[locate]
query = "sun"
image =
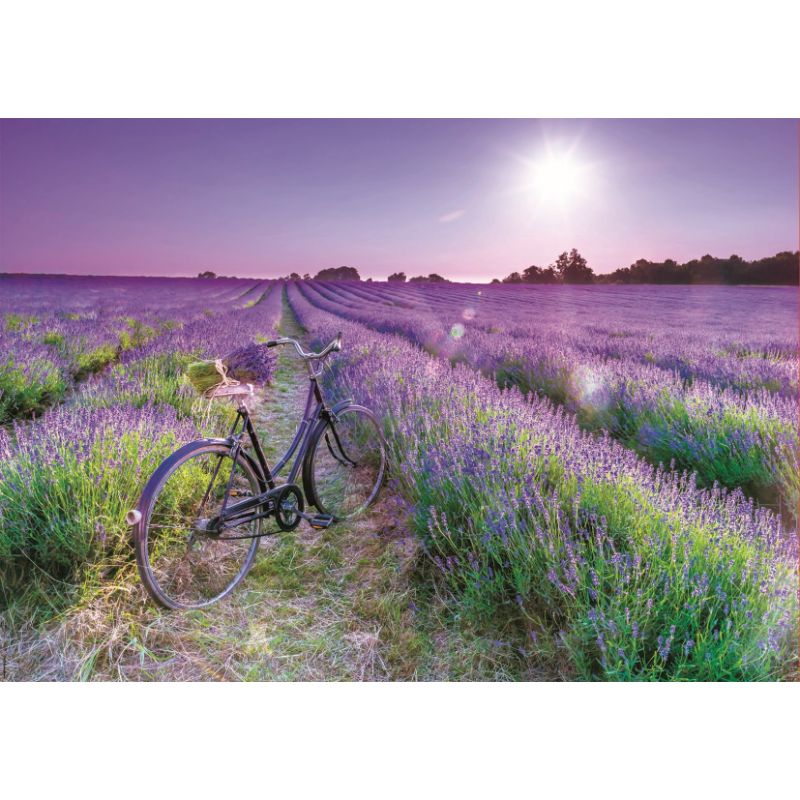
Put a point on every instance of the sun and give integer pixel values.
(557, 179)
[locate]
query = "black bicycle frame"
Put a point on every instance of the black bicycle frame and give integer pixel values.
(315, 409)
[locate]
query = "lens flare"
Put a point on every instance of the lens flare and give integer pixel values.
(457, 331)
(590, 389)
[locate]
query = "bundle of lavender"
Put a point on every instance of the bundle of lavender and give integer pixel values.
(250, 364)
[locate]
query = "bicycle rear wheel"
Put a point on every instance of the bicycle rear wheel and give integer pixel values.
(345, 466)
(181, 562)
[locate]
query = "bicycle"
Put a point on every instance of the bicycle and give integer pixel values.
(198, 522)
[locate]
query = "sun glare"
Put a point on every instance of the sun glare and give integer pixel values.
(558, 179)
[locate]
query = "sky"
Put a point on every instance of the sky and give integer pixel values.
(468, 199)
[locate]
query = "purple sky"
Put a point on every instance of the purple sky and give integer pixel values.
(464, 198)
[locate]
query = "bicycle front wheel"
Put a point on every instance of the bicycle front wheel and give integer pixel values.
(182, 562)
(345, 466)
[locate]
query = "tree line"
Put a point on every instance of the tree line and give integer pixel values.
(572, 268)
(780, 269)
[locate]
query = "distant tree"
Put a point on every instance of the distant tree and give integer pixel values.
(495, 280)
(207, 274)
(397, 277)
(778, 270)
(432, 278)
(306, 277)
(572, 268)
(338, 274)
(369, 280)
(294, 277)
(534, 274)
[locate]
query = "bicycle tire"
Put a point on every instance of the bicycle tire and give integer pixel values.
(144, 530)
(361, 479)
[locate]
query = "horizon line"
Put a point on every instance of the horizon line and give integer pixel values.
(363, 278)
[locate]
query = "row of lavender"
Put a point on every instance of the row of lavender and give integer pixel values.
(68, 477)
(624, 570)
(737, 437)
(55, 331)
(733, 337)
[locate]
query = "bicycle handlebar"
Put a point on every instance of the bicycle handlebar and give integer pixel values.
(333, 346)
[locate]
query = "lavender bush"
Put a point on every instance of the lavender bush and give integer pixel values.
(634, 572)
(739, 437)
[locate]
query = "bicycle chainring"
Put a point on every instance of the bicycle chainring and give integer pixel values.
(288, 507)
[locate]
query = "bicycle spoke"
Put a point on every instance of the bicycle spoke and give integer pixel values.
(348, 464)
(189, 565)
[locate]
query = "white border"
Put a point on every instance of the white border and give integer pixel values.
(401, 740)
(313, 59)
(417, 58)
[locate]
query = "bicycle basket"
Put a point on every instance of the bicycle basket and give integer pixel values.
(234, 375)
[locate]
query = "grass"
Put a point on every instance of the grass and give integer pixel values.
(18, 322)
(63, 503)
(29, 390)
(136, 334)
(94, 360)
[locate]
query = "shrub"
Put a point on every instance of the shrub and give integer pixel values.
(631, 572)
(27, 389)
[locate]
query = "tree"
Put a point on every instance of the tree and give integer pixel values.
(294, 277)
(432, 278)
(534, 274)
(207, 274)
(572, 268)
(397, 277)
(338, 274)
(780, 269)
(306, 277)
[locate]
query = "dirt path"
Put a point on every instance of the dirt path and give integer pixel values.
(353, 602)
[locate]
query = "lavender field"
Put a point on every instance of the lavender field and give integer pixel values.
(92, 398)
(607, 477)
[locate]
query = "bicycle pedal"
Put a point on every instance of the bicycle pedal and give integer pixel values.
(320, 521)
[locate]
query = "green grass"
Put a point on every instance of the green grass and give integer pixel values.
(29, 391)
(63, 511)
(18, 322)
(95, 360)
(136, 334)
